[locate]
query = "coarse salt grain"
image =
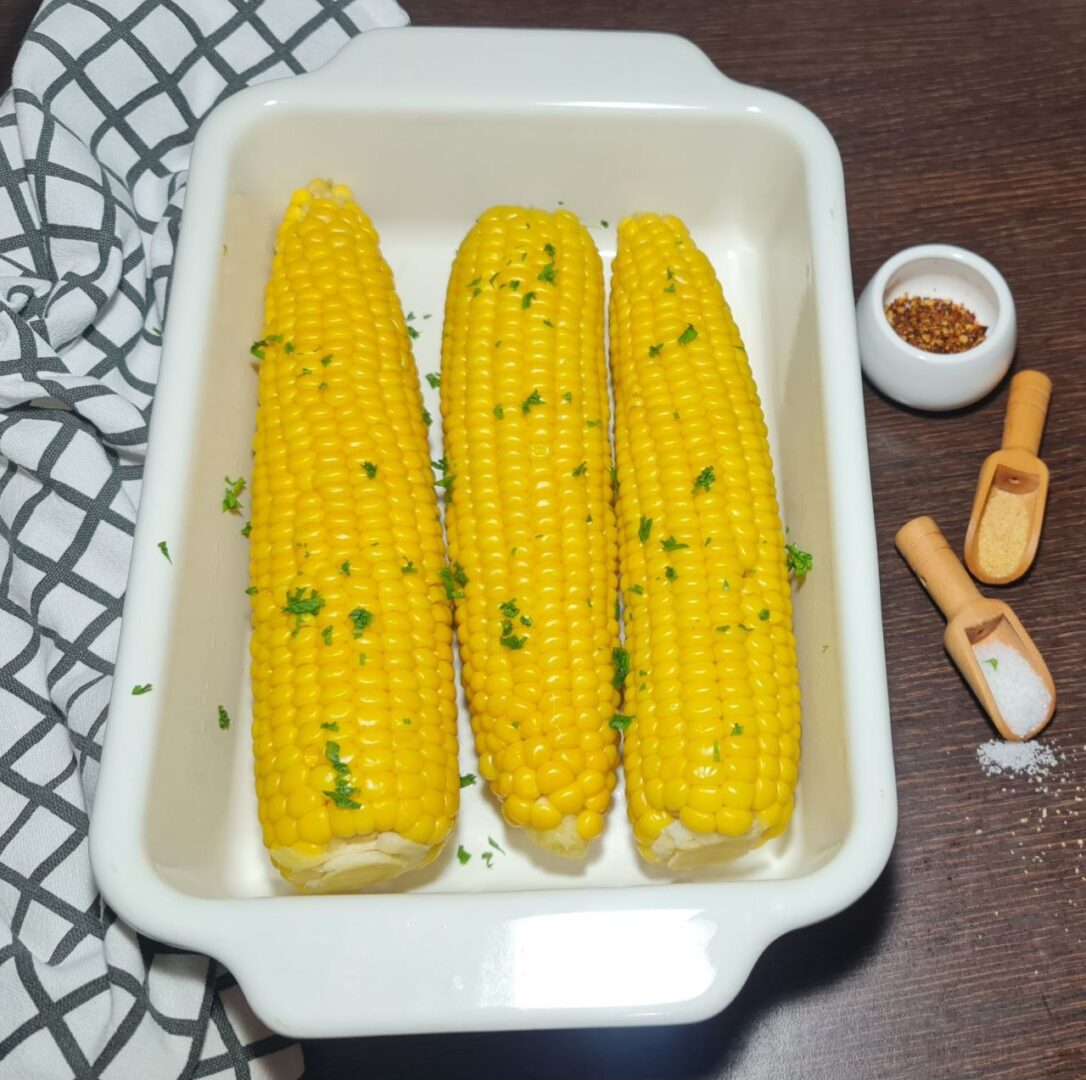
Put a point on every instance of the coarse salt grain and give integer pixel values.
(1020, 695)
(1030, 759)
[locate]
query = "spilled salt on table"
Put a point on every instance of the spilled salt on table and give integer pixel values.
(1030, 759)
(1021, 696)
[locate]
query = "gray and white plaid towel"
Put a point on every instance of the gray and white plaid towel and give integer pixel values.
(94, 146)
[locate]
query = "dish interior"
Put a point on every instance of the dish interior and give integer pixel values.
(739, 183)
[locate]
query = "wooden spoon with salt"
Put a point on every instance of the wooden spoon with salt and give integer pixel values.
(984, 637)
(1009, 506)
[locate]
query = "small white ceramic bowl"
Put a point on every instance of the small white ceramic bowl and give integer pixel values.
(935, 381)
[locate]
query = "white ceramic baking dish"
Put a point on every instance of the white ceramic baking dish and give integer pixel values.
(430, 127)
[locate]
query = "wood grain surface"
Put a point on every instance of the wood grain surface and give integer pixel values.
(962, 122)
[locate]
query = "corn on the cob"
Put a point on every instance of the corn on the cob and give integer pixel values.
(711, 754)
(531, 523)
(354, 712)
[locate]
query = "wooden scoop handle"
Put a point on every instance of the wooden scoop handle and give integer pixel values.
(925, 549)
(1027, 408)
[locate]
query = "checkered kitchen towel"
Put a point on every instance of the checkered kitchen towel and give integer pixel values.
(94, 146)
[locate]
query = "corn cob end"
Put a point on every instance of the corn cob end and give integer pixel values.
(351, 865)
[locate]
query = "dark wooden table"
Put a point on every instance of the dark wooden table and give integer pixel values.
(961, 122)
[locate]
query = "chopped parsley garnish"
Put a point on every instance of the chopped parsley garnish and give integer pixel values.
(474, 282)
(638, 589)
(743, 626)
(800, 563)
(164, 548)
(723, 629)
(671, 573)
(369, 469)
(708, 541)
(454, 579)
(763, 614)
(427, 419)
(322, 386)
(138, 691)
(345, 568)
(234, 488)
(592, 423)
(299, 605)
(488, 858)
(467, 780)
(526, 300)
(727, 586)
(737, 729)
(994, 663)
(620, 660)
(581, 469)
(343, 791)
(567, 397)
(526, 620)
(619, 722)
(406, 721)
(546, 274)
(688, 335)
(475, 292)
(495, 845)
(463, 856)
(408, 568)
(716, 749)
(361, 659)
(326, 634)
(604, 222)
(614, 480)
(412, 333)
(224, 719)
(670, 288)
(670, 274)
(548, 323)
(252, 590)
(434, 379)
(326, 360)
(361, 618)
(509, 609)
(706, 479)
(532, 399)
(333, 726)
(288, 348)
(549, 248)
(671, 544)
(655, 350)
(511, 641)
(257, 347)
(246, 529)
(644, 529)
(499, 412)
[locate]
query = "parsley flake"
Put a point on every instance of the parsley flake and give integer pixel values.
(592, 423)
(333, 726)
(412, 333)
(737, 729)
(427, 419)
(234, 488)
(526, 301)
(994, 663)
(581, 469)
(763, 614)
(345, 568)
(462, 856)
(800, 563)
(488, 858)
(548, 249)
(499, 411)
(511, 641)
(252, 590)
(326, 360)
(655, 350)
(164, 548)
(326, 635)
(408, 568)
(434, 379)
(246, 529)
(670, 288)
(716, 749)
(361, 618)
(532, 399)
(546, 274)
(369, 469)
(670, 573)
(467, 780)
(688, 335)
(706, 479)
(644, 529)
(567, 397)
(454, 580)
(671, 544)
(620, 659)
(139, 691)
(509, 609)
(299, 605)
(619, 722)
(639, 590)
(224, 719)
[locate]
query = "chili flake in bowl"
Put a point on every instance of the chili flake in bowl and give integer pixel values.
(937, 327)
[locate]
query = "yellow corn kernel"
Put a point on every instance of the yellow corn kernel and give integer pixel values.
(531, 523)
(713, 743)
(351, 647)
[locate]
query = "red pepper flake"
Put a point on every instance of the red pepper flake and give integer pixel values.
(936, 326)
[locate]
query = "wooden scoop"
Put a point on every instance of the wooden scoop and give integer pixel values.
(973, 621)
(1009, 507)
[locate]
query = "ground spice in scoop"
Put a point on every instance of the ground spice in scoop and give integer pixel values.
(936, 326)
(1003, 533)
